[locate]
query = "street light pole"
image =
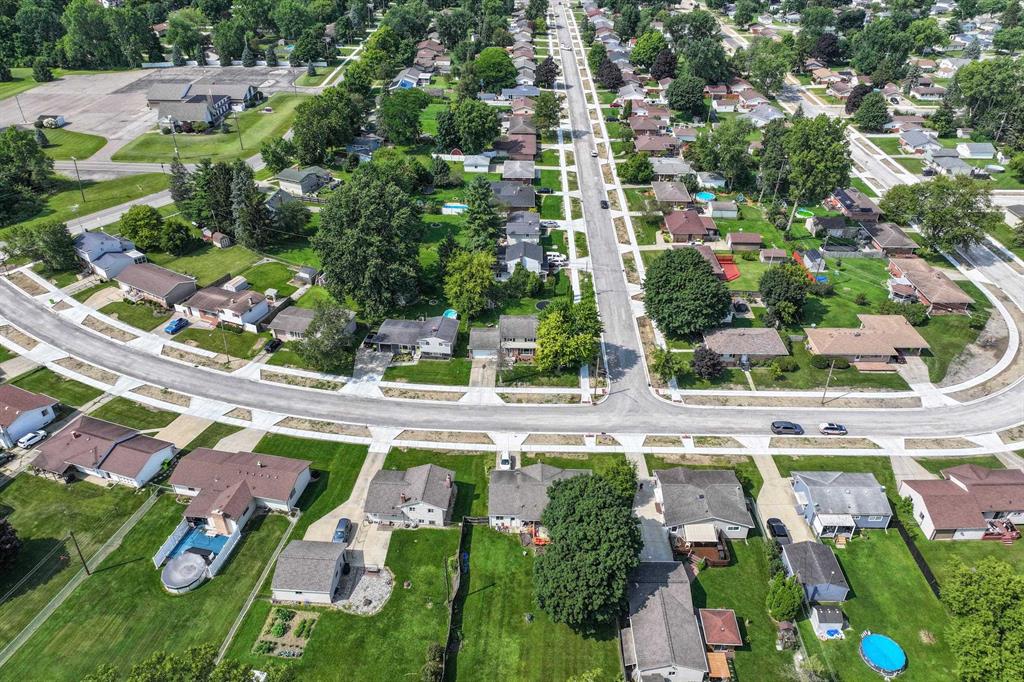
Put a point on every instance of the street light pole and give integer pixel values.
(79, 177)
(238, 130)
(828, 379)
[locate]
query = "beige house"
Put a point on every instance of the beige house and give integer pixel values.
(880, 338)
(740, 346)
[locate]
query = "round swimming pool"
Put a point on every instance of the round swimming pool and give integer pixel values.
(451, 313)
(805, 213)
(705, 196)
(883, 655)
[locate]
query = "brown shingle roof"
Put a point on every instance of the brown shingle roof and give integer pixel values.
(688, 224)
(129, 457)
(720, 627)
(14, 401)
(268, 476)
(152, 279)
(743, 341)
(949, 505)
(215, 299)
(930, 282)
(877, 335)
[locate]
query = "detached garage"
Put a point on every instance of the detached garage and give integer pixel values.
(308, 572)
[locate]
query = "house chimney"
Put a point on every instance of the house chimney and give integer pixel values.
(403, 497)
(448, 480)
(76, 434)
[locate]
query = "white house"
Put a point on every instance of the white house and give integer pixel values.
(217, 304)
(22, 412)
(105, 255)
(308, 572)
(476, 163)
(691, 497)
(424, 495)
(710, 180)
(976, 150)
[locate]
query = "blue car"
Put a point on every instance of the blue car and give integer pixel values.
(343, 531)
(176, 325)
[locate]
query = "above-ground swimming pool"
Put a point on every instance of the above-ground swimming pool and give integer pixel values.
(704, 196)
(451, 313)
(883, 655)
(197, 537)
(805, 213)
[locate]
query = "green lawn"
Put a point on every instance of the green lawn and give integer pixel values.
(526, 374)
(915, 165)
(1005, 235)
(551, 178)
(65, 203)
(244, 345)
(60, 278)
(271, 276)
(428, 117)
(64, 144)
(256, 126)
(212, 435)
(21, 80)
(948, 335)
(863, 187)
(390, 645)
(943, 556)
(84, 295)
(889, 145)
(471, 475)
(207, 263)
(937, 464)
(879, 466)
(337, 464)
(68, 391)
(750, 275)
(746, 471)
(582, 250)
(854, 276)
(637, 199)
(454, 372)
(888, 595)
(504, 635)
(809, 377)
(139, 315)
(124, 600)
(42, 512)
(134, 415)
(548, 157)
(314, 295)
(551, 207)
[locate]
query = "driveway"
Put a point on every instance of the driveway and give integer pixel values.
(776, 500)
(656, 547)
(183, 430)
(908, 469)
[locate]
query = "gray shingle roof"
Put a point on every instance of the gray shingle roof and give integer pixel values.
(661, 615)
(409, 332)
(292, 319)
(815, 564)
(702, 495)
(838, 492)
(390, 489)
(307, 566)
(523, 493)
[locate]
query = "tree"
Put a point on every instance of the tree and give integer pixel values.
(448, 136)
(856, 96)
(310, 46)
(177, 58)
(647, 48)
(494, 69)
(195, 664)
(774, 163)
(872, 114)
(568, 334)
(446, 250)
(291, 218)
(685, 94)
(178, 238)
(900, 204)
(745, 12)
(368, 242)
(784, 283)
(879, 41)
(819, 159)
(248, 58)
(41, 72)
(547, 111)
(452, 26)
(478, 125)
(469, 282)
(291, 17)
(667, 365)
(10, 544)
(768, 62)
(828, 49)
(325, 121)
(609, 75)
(25, 173)
(582, 577)
(973, 50)
(253, 228)
(409, 20)
(442, 174)
(637, 170)
(482, 220)
(707, 60)
(943, 121)
(925, 34)
(271, 56)
(327, 346)
(1009, 40)
(228, 40)
(725, 150)
(48, 242)
(1011, 15)
(664, 65)
(41, 139)
(952, 212)
(706, 363)
(183, 29)
(277, 153)
(547, 72)
(399, 115)
(143, 225)
(683, 295)
(596, 55)
(785, 597)
(310, 69)
(621, 475)
(181, 187)
(628, 21)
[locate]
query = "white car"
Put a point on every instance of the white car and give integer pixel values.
(30, 439)
(831, 429)
(505, 462)
(594, 153)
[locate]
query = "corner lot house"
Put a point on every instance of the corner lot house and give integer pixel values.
(217, 304)
(308, 571)
(423, 495)
(914, 279)
(22, 412)
(837, 503)
(741, 346)
(969, 503)
(879, 339)
(818, 571)
(663, 640)
(433, 337)
(516, 499)
(691, 497)
(93, 448)
(148, 282)
(105, 255)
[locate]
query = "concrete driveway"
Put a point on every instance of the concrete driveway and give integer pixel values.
(776, 500)
(656, 547)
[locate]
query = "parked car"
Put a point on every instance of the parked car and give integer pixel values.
(543, 190)
(176, 325)
(612, 119)
(549, 224)
(594, 153)
(781, 428)
(505, 462)
(273, 345)
(342, 531)
(604, 204)
(831, 429)
(30, 439)
(777, 529)
(6, 457)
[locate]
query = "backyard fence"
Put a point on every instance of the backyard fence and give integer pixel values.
(452, 643)
(224, 553)
(170, 543)
(919, 559)
(831, 253)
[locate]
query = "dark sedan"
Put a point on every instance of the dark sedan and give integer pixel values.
(777, 529)
(781, 428)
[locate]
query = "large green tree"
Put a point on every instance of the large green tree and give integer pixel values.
(784, 289)
(683, 295)
(48, 242)
(873, 113)
(952, 212)
(685, 94)
(25, 173)
(398, 115)
(477, 124)
(325, 121)
(482, 220)
(327, 346)
(494, 70)
(469, 282)
(143, 225)
(568, 334)
(819, 159)
(647, 48)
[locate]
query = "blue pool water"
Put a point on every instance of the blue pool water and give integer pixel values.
(196, 537)
(705, 196)
(451, 313)
(883, 654)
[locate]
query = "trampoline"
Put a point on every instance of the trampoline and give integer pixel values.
(184, 572)
(883, 655)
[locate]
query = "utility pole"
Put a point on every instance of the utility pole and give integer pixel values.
(828, 379)
(174, 138)
(238, 130)
(79, 550)
(18, 102)
(80, 190)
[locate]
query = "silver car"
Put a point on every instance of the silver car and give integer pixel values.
(831, 429)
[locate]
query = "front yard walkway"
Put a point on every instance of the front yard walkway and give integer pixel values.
(241, 441)
(183, 430)
(483, 374)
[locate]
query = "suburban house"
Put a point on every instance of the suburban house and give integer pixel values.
(523, 254)
(514, 195)
(512, 340)
(303, 181)
(518, 147)
(655, 143)
(853, 204)
(669, 168)
(813, 261)
(762, 115)
(831, 226)
(690, 226)
(663, 640)
(105, 255)
(720, 628)
(308, 572)
(838, 503)
(773, 255)
(976, 150)
(410, 77)
(970, 502)
(239, 95)
(691, 497)
(671, 194)
(522, 226)
(523, 172)
(149, 282)
(516, 498)
(433, 337)
(423, 495)
(881, 339)
(215, 305)
(744, 345)
(291, 323)
(96, 449)
(950, 165)
(916, 141)
(890, 239)
(744, 241)
(476, 163)
(817, 569)
(22, 412)
(275, 200)
(915, 279)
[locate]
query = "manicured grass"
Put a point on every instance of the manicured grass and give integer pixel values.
(526, 374)
(42, 512)
(428, 117)
(888, 595)
(245, 345)
(454, 372)
(863, 187)
(65, 203)
(637, 198)
(948, 335)
(745, 468)
(60, 278)
(134, 415)
(582, 250)
(853, 277)
(551, 207)
(64, 144)
(943, 556)
(139, 315)
(915, 166)
(21, 80)
(271, 276)
(84, 295)
(6, 354)
(504, 635)
(936, 464)
(337, 464)
(68, 391)
(212, 435)
(314, 295)
(390, 645)
(551, 179)
(809, 377)
(548, 157)
(555, 240)
(743, 587)
(471, 475)
(124, 600)
(256, 126)
(750, 275)
(889, 145)
(207, 263)
(1005, 235)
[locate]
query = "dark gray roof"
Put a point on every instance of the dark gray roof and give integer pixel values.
(662, 618)
(702, 495)
(292, 319)
(153, 279)
(390, 489)
(483, 338)
(814, 564)
(167, 92)
(298, 174)
(828, 615)
(523, 493)
(838, 492)
(409, 332)
(307, 566)
(514, 194)
(521, 250)
(517, 326)
(523, 223)
(890, 236)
